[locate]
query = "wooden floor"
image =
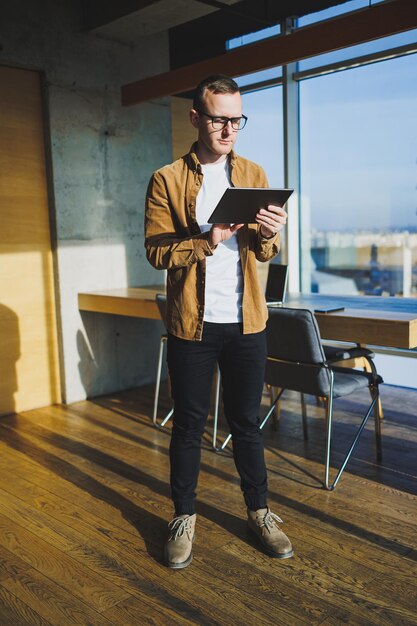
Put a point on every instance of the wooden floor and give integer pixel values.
(84, 502)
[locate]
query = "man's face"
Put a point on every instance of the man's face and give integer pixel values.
(215, 145)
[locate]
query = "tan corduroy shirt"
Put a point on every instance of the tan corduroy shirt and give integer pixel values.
(174, 242)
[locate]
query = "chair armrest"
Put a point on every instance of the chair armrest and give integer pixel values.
(334, 354)
(372, 377)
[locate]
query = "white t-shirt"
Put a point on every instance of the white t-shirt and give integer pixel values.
(224, 279)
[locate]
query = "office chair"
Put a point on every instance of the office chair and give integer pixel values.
(276, 287)
(276, 290)
(296, 361)
(160, 299)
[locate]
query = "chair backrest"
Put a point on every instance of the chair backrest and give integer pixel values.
(294, 339)
(161, 302)
(276, 283)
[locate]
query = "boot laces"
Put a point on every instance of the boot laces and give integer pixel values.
(178, 526)
(270, 521)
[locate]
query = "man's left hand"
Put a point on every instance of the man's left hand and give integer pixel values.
(272, 220)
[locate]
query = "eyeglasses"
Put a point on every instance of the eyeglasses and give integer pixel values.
(219, 123)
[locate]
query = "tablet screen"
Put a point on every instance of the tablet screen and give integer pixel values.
(239, 205)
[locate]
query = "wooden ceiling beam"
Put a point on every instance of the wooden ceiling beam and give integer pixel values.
(346, 30)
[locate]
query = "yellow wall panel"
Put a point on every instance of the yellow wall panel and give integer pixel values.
(28, 336)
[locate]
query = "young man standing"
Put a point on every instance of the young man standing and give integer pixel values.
(216, 311)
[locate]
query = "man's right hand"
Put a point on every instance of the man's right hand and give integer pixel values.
(222, 232)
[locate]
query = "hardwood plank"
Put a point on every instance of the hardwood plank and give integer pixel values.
(399, 507)
(86, 497)
(80, 581)
(63, 524)
(341, 618)
(386, 587)
(14, 612)
(53, 603)
(377, 524)
(271, 591)
(10, 564)
(145, 611)
(377, 608)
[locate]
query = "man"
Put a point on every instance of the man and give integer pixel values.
(216, 311)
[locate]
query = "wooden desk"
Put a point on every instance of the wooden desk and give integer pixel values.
(388, 322)
(130, 301)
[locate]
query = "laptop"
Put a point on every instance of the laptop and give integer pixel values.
(276, 285)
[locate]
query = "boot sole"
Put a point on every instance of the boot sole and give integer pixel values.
(179, 565)
(270, 553)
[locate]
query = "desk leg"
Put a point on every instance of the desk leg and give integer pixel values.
(367, 368)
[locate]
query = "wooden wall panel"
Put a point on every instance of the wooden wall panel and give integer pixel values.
(28, 336)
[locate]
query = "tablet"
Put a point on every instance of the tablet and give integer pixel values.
(239, 205)
(329, 309)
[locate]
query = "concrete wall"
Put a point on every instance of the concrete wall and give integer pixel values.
(102, 158)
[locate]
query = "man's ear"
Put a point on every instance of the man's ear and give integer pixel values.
(194, 118)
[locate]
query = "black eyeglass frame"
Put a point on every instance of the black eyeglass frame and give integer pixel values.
(226, 120)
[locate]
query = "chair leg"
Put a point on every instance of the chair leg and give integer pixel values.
(271, 409)
(377, 418)
(216, 408)
(264, 421)
(165, 420)
(276, 414)
(158, 378)
(329, 417)
(157, 386)
(304, 414)
(353, 444)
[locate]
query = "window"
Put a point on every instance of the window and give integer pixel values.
(262, 138)
(244, 40)
(359, 180)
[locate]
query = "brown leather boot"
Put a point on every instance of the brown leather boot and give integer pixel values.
(178, 547)
(264, 525)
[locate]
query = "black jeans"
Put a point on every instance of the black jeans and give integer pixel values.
(191, 365)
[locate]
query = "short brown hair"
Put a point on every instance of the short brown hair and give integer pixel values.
(216, 83)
